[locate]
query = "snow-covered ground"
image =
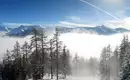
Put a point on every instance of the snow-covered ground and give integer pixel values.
(81, 78)
(74, 78)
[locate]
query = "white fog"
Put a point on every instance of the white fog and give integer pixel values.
(85, 45)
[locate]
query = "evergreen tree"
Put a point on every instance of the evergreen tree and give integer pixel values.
(16, 51)
(93, 66)
(76, 61)
(102, 65)
(52, 57)
(43, 43)
(25, 49)
(7, 57)
(105, 63)
(116, 56)
(124, 59)
(35, 56)
(108, 67)
(35, 44)
(17, 55)
(65, 68)
(57, 50)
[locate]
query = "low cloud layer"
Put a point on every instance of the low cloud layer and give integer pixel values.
(8, 43)
(85, 45)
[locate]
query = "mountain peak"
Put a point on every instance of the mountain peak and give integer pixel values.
(23, 30)
(102, 26)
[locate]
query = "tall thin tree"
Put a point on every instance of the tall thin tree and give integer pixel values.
(51, 57)
(43, 40)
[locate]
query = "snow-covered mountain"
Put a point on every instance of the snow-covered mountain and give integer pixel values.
(101, 30)
(4, 30)
(25, 30)
(122, 30)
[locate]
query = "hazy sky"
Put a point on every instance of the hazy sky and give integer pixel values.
(114, 13)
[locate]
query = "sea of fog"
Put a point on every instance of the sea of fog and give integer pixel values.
(85, 45)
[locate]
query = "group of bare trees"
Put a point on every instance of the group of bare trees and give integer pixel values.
(39, 57)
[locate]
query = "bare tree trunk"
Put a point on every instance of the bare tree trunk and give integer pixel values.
(57, 53)
(43, 53)
(57, 66)
(51, 67)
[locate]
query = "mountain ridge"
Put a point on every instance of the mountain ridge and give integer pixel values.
(24, 30)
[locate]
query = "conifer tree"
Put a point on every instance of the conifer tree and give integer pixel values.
(76, 61)
(56, 35)
(51, 57)
(65, 62)
(116, 56)
(125, 59)
(16, 51)
(43, 43)
(16, 54)
(102, 65)
(7, 57)
(35, 56)
(57, 50)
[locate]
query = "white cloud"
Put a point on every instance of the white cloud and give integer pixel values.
(87, 45)
(8, 43)
(74, 18)
(113, 1)
(125, 23)
(70, 24)
(122, 23)
(15, 24)
(116, 4)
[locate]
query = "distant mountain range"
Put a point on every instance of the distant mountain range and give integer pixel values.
(25, 30)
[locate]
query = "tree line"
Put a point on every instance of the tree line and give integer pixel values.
(37, 58)
(84, 67)
(116, 64)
